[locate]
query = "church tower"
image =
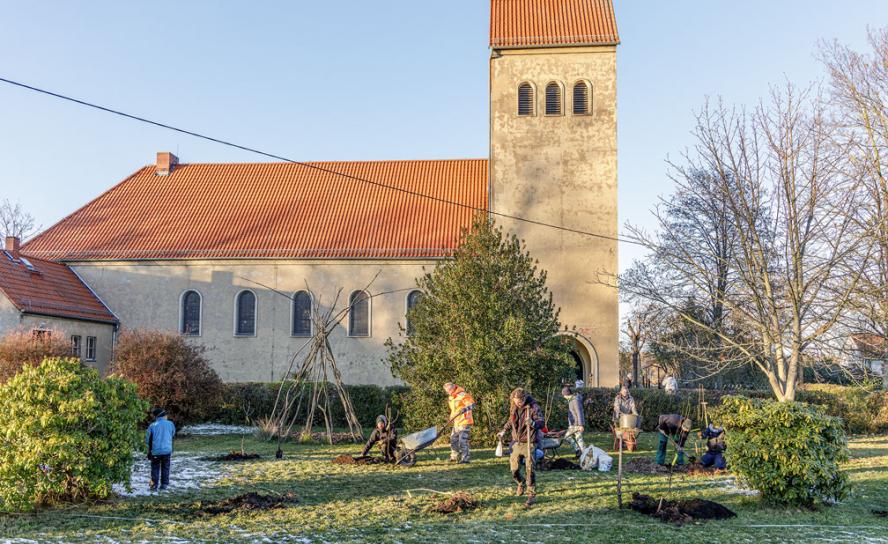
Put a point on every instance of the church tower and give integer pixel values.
(553, 158)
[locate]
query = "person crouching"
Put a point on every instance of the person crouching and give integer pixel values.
(387, 437)
(525, 421)
(159, 439)
(715, 447)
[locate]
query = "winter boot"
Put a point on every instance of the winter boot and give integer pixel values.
(531, 497)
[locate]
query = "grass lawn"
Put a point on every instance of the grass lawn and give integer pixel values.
(389, 504)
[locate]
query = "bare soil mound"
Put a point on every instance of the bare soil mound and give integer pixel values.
(880, 513)
(234, 456)
(346, 459)
(560, 463)
(679, 512)
(646, 465)
(249, 502)
(458, 502)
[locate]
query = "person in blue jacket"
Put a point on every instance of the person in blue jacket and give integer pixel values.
(159, 440)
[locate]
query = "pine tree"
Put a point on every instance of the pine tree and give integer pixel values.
(487, 322)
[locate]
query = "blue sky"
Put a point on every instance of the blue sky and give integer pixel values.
(352, 80)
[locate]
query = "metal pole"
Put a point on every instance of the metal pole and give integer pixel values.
(620, 471)
(528, 460)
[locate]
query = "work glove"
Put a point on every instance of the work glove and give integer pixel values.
(501, 434)
(463, 411)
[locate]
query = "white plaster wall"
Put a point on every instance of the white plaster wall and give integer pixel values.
(9, 316)
(562, 170)
(63, 329)
(147, 295)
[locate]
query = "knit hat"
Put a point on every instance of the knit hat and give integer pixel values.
(567, 391)
(381, 419)
(158, 413)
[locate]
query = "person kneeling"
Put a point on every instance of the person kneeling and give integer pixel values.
(387, 437)
(715, 447)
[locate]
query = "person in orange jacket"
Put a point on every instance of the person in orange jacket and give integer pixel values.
(461, 404)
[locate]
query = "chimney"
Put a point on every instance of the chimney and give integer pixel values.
(166, 161)
(12, 246)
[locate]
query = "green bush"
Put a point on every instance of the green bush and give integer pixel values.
(66, 434)
(789, 451)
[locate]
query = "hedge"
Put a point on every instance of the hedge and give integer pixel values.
(862, 411)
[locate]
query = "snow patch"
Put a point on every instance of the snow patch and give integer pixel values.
(188, 472)
(215, 429)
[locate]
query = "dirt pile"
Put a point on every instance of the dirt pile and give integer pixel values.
(679, 512)
(559, 464)
(249, 502)
(880, 513)
(234, 456)
(646, 465)
(346, 459)
(458, 502)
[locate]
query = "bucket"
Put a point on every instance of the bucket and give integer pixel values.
(628, 421)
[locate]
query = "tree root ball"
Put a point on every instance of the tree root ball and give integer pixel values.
(679, 512)
(346, 459)
(250, 502)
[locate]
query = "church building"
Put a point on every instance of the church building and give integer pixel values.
(233, 256)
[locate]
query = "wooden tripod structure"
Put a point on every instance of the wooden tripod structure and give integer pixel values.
(306, 388)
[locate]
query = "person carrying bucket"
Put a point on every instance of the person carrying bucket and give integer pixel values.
(461, 404)
(625, 404)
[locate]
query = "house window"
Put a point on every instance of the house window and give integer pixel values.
(525, 99)
(359, 314)
(245, 314)
(90, 348)
(412, 300)
(190, 323)
(582, 99)
(75, 346)
(302, 314)
(553, 99)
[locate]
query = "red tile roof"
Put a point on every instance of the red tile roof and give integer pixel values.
(49, 288)
(266, 210)
(523, 23)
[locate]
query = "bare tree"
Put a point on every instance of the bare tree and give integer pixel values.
(638, 327)
(15, 221)
(859, 84)
(791, 211)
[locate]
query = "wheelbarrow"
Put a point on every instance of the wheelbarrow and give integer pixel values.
(405, 454)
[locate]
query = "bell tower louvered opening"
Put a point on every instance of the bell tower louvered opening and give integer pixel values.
(553, 99)
(582, 103)
(525, 99)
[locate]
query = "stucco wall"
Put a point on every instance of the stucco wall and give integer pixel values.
(147, 295)
(12, 320)
(563, 170)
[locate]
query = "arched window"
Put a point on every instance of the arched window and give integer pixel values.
(525, 99)
(302, 314)
(189, 324)
(582, 98)
(359, 314)
(245, 314)
(553, 99)
(413, 299)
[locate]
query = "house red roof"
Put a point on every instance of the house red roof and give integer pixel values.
(274, 210)
(41, 287)
(528, 23)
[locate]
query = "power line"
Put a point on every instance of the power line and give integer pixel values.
(314, 166)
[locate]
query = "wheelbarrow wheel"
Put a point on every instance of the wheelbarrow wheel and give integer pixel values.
(407, 459)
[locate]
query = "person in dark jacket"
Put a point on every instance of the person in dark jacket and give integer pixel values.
(159, 439)
(525, 420)
(672, 428)
(715, 447)
(575, 419)
(386, 436)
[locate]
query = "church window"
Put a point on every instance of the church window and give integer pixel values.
(413, 299)
(553, 99)
(525, 99)
(359, 314)
(302, 314)
(189, 325)
(245, 314)
(582, 98)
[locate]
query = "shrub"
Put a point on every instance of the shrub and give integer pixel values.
(19, 348)
(168, 372)
(789, 451)
(66, 434)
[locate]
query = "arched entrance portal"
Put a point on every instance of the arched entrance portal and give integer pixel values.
(583, 353)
